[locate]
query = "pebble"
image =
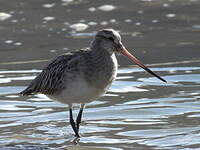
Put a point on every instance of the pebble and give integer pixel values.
(104, 23)
(48, 18)
(8, 41)
(92, 23)
(138, 23)
(140, 11)
(113, 20)
(92, 9)
(155, 21)
(128, 20)
(4, 16)
(79, 26)
(170, 15)
(49, 5)
(106, 7)
(165, 5)
(18, 43)
(53, 50)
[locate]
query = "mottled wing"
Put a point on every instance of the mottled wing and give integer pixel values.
(50, 80)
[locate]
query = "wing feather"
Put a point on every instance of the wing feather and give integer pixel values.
(50, 79)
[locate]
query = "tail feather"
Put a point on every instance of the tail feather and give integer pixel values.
(26, 92)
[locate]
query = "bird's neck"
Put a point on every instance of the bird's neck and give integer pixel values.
(98, 51)
(103, 67)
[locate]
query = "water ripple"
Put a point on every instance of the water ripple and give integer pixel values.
(137, 109)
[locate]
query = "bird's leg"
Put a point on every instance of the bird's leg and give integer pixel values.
(78, 119)
(72, 122)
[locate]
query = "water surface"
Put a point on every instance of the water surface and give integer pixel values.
(138, 111)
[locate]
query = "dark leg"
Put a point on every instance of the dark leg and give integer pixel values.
(78, 119)
(72, 122)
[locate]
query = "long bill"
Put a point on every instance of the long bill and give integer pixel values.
(125, 52)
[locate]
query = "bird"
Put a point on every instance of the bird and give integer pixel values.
(83, 76)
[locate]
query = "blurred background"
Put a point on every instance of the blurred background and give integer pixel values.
(164, 34)
(156, 31)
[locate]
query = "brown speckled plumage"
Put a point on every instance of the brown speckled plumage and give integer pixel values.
(50, 80)
(95, 65)
(97, 71)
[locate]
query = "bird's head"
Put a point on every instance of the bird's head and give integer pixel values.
(110, 40)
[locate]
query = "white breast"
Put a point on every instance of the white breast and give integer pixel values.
(79, 90)
(114, 59)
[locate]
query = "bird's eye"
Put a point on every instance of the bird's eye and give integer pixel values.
(111, 38)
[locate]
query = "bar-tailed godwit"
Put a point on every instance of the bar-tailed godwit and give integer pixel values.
(84, 75)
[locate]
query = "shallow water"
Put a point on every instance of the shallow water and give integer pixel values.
(139, 111)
